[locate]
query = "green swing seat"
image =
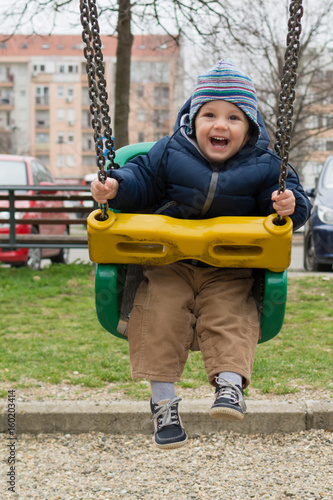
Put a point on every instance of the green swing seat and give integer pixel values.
(237, 242)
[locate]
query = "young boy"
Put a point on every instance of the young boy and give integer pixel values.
(216, 163)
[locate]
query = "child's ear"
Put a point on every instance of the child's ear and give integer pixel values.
(193, 135)
(246, 141)
(251, 138)
(247, 138)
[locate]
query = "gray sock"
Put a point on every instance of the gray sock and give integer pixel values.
(233, 377)
(162, 390)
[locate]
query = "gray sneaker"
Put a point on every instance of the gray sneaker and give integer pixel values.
(169, 432)
(229, 403)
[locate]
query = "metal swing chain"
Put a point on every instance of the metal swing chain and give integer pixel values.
(99, 107)
(287, 94)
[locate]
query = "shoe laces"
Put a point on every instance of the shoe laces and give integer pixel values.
(167, 414)
(230, 391)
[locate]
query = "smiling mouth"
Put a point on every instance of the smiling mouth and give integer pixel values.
(219, 141)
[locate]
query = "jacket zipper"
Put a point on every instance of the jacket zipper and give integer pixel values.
(166, 205)
(211, 190)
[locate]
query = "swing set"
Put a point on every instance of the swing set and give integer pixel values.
(120, 243)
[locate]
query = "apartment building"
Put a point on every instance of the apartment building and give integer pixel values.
(44, 101)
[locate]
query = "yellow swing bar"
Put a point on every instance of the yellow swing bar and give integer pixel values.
(252, 242)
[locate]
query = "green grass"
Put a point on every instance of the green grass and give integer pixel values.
(49, 333)
(302, 353)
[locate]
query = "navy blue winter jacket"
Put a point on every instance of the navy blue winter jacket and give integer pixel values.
(175, 179)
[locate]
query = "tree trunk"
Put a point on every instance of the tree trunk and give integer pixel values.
(123, 68)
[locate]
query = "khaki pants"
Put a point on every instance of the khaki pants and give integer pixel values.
(175, 300)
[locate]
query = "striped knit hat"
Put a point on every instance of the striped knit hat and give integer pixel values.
(226, 82)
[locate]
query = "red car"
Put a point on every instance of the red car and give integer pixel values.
(28, 171)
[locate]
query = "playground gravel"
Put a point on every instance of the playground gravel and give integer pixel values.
(223, 466)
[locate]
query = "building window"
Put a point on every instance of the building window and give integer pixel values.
(161, 96)
(68, 68)
(70, 116)
(86, 119)
(320, 145)
(5, 97)
(60, 114)
(70, 94)
(161, 118)
(60, 91)
(329, 145)
(72, 68)
(45, 46)
(140, 91)
(329, 121)
(39, 68)
(141, 115)
(42, 138)
(141, 137)
(70, 137)
(42, 95)
(60, 161)
(150, 72)
(87, 161)
(70, 161)
(61, 138)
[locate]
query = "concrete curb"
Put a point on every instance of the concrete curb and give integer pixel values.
(130, 417)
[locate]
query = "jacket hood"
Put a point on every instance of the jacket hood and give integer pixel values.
(263, 141)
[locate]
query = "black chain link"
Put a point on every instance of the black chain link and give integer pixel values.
(99, 107)
(287, 94)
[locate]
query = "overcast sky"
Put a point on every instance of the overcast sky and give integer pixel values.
(42, 22)
(67, 22)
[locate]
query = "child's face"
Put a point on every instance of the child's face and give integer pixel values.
(221, 130)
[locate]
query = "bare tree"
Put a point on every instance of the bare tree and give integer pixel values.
(5, 144)
(259, 43)
(123, 68)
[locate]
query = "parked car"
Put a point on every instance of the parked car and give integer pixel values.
(89, 178)
(87, 182)
(28, 171)
(318, 235)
